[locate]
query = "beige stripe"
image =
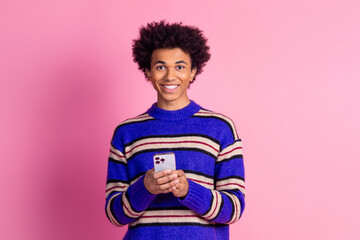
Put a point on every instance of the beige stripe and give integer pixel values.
(115, 187)
(238, 204)
(117, 155)
(108, 210)
(229, 151)
(166, 212)
(202, 180)
(215, 206)
(170, 216)
(128, 210)
(135, 180)
(212, 207)
(237, 209)
(173, 142)
(209, 113)
(233, 217)
(231, 183)
(192, 219)
(137, 119)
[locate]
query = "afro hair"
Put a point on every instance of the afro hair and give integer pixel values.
(158, 35)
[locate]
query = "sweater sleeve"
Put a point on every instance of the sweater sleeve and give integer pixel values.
(125, 201)
(225, 203)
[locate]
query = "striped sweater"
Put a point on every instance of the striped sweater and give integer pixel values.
(207, 148)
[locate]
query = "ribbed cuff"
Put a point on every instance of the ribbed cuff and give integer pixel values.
(139, 196)
(197, 199)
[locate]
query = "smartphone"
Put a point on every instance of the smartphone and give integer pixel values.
(164, 161)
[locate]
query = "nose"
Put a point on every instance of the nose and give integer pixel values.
(170, 74)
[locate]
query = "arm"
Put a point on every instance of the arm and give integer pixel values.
(224, 204)
(125, 201)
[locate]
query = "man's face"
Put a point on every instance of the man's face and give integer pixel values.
(170, 73)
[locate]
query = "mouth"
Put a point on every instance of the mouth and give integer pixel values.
(170, 86)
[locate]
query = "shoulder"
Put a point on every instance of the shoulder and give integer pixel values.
(129, 126)
(218, 120)
(128, 129)
(145, 117)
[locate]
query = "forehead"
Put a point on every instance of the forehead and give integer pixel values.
(170, 55)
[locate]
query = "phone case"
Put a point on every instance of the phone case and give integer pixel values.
(163, 161)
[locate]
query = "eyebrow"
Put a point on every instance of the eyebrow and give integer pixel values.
(162, 62)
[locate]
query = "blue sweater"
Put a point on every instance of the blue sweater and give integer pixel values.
(207, 148)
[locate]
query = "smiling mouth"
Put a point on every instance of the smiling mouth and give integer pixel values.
(170, 86)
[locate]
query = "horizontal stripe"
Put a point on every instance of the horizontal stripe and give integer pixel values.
(208, 224)
(177, 135)
(233, 208)
(236, 205)
(116, 180)
(117, 156)
(186, 143)
(167, 208)
(229, 159)
(142, 118)
(230, 151)
(228, 121)
(172, 150)
(173, 142)
(230, 184)
(139, 119)
(232, 176)
(116, 161)
(169, 213)
(214, 206)
(109, 212)
(136, 178)
(201, 180)
(198, 173)
(115, 187)
(169, 217)
(128, 209)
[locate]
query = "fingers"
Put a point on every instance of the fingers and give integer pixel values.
(181, 189)
(169, 185)
(161, 173)
(179, 172)
(160, 182)
(166, 181)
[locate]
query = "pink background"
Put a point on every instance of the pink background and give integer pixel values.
(287, 72)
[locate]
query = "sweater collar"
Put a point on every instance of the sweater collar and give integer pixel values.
(173, 115)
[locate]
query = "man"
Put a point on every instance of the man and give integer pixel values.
(206, 192)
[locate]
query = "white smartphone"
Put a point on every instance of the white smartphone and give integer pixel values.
(164, 161)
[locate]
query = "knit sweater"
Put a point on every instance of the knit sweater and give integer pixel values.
(207, 148)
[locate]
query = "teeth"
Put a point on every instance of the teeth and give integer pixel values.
(170, 86)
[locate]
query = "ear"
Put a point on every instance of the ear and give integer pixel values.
(193, 73)
(148, 73)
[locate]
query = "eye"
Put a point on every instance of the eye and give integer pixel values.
(160, 67)
(180, 67)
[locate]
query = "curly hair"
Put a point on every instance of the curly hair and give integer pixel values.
(157, 35)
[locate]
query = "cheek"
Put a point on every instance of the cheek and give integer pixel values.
(153, 82)
(157, 76)
(188, 77)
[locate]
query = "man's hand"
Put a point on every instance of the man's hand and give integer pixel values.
(166, 181)
(181, 188)
(160, 182)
